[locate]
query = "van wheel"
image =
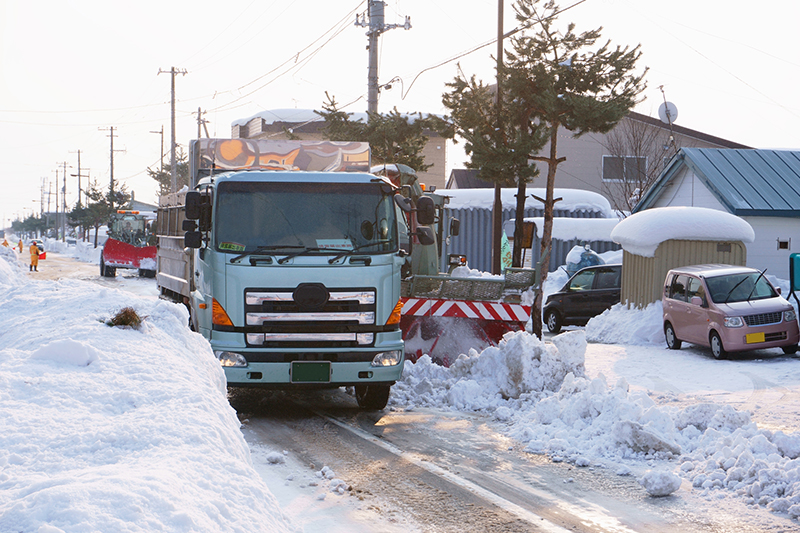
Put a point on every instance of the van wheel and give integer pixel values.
(553, 321)
(673, 342)
(789, 350)
(717, 350)
(372, 397)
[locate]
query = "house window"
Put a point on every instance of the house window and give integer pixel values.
(630, 168)
(784, 244)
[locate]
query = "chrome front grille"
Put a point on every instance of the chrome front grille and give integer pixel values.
(285, 318)
(763, 319)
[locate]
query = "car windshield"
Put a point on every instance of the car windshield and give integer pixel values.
(739, 287)
(309, 218)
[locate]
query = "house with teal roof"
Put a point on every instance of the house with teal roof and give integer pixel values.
(760, 186)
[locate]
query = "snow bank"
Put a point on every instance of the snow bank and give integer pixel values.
(642, 232)
(116, 429)
(539, 395)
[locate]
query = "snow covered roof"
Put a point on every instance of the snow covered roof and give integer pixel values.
(642, 232)
(746, 182)
(572, 199)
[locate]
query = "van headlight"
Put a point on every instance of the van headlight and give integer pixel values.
(733, 322)
(231, 359)
(391, 358)
(789, 316)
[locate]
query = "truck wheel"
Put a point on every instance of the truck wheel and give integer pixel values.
(553, 321)
(717, 350)
(106, 271)
(372, 397)
(144, 273)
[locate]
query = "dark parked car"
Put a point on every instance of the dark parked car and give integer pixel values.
(588, 293)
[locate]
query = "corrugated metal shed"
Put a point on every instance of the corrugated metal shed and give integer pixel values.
(746, 182)
(475, 237)
(643, 277)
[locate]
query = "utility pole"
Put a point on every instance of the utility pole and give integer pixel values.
(79, 176)
(202, 122)
(111, 165)
(173, 160)
(497, 210)
(63, 200)
(376, 28)
(162, 147)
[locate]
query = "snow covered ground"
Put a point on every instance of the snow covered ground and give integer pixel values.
(98, 436)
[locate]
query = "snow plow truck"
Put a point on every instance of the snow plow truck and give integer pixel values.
(130, 244)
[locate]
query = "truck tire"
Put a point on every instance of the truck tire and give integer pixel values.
(144, 273)
(372, 397)
(106, 271)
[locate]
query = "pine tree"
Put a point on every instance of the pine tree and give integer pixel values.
(164, 176)
(393, 137)
(550, 80)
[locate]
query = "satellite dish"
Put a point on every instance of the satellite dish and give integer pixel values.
(668, 113)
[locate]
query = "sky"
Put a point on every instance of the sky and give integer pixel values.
(70, 71)
(97, 437)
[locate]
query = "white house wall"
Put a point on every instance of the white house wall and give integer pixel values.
(686, 189)
(764, 252)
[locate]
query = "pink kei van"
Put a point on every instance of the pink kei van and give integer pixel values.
(727, 308)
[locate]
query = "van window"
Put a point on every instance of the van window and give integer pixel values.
(695, 288)
(582, 281)
(677, 290)
(607, 278)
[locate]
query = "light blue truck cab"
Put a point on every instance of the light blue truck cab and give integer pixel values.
(296, 277)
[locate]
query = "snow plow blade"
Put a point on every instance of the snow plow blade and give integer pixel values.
(446, 328)
(120, 254)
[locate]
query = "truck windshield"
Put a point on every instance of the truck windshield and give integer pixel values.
(131, 229)
(739, 288)
(323, 218)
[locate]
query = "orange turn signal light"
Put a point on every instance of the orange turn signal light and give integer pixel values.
(394, 318)
(218, 314)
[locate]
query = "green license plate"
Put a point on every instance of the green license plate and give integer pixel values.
(311, 372)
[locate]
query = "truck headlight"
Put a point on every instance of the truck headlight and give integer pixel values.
(231, 359)
(733, 322)
(391, 358)
(789, 316)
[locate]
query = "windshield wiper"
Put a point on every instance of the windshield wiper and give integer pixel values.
(735, 287)
(266, 249)
(305, 250)
(348, 252)
(755, 283)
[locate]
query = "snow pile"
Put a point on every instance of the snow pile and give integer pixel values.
(660, 483)
(627, 325)
(642, 232)
(83, 251)
(116, 429)
(540, 396)
(10, 267)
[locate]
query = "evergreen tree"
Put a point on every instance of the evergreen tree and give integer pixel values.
(164, 177)
(393, 138)
(550, 80)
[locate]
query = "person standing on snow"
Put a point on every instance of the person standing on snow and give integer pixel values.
(20, 246)
(34, 257)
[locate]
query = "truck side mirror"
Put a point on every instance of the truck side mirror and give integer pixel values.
(403, 203)
(192, 205)
(426, 210)
(455, 225)
(192, 239)
(425, 235)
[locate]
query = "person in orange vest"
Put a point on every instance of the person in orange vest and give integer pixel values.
(34, 257)
(20, 246)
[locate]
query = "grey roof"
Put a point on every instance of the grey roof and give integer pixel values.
(746, 182)
(462, 178)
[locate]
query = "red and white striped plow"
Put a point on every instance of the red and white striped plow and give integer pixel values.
(444, 329)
